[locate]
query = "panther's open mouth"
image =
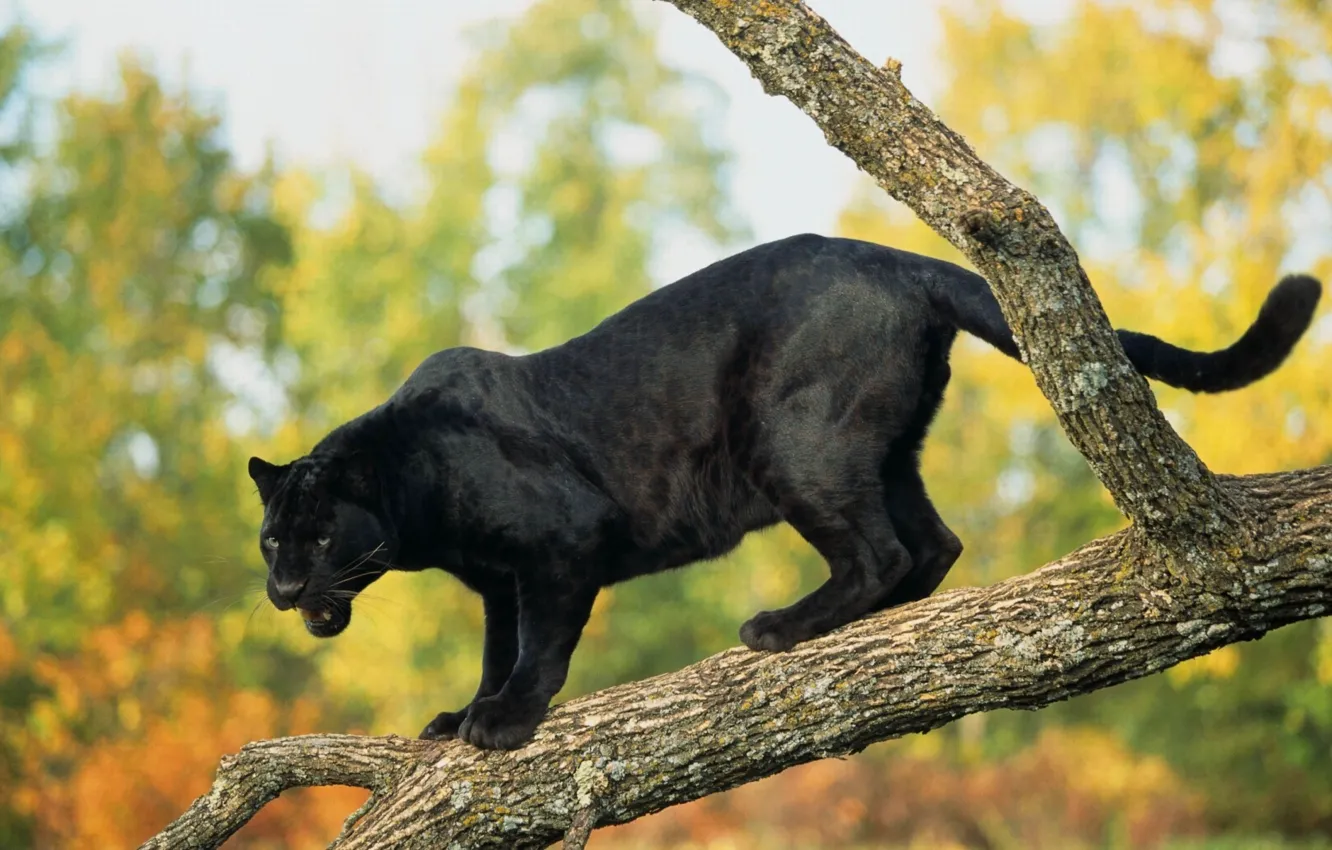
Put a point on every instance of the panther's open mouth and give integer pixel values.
(325, 623)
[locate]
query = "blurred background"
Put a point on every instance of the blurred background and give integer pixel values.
(225, 229)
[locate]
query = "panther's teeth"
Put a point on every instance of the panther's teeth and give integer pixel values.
(315, 616)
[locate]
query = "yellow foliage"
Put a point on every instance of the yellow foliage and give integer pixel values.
(1323, 663)
(1217, 664)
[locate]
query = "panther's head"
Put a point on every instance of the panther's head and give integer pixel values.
(325, 535)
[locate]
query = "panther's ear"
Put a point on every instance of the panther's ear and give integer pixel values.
(266, 477)
(357, 479)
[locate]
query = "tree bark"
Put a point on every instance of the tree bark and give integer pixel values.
(1209, 560)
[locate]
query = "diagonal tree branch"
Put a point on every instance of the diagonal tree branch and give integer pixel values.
(867, 113)
(1087, 621)
(1117, 609)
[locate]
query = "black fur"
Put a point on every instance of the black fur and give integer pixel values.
(1283, 319)
(794, 381)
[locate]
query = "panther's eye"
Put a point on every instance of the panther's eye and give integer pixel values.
(271, 542)
(322, 542)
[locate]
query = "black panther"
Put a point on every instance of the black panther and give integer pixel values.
(790, 382)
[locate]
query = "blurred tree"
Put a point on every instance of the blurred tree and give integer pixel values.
(19, 49)
(600, 148)
(1186, 152)
(132, 274)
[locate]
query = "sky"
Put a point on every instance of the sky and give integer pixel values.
(336, 81)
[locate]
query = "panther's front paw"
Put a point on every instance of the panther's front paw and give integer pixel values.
(772, 631)
(445, 725)
(500, 723)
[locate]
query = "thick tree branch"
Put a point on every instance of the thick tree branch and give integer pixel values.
(1110, 612)
(1103, 404)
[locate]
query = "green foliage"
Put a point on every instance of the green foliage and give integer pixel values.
(19, 50)
(622, 155)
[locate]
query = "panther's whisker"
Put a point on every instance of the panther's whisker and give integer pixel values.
(230, 598)
(253, 611)
(348, 574)
(347, 579)
(361, 597)
(362, 559)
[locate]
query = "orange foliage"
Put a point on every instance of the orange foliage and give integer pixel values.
(131, 734)
(8, 652)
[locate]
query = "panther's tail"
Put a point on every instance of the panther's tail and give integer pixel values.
(967, 300)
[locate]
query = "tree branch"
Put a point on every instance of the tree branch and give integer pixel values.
(866, 112)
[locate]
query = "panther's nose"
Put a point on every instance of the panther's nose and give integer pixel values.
(287, 591)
